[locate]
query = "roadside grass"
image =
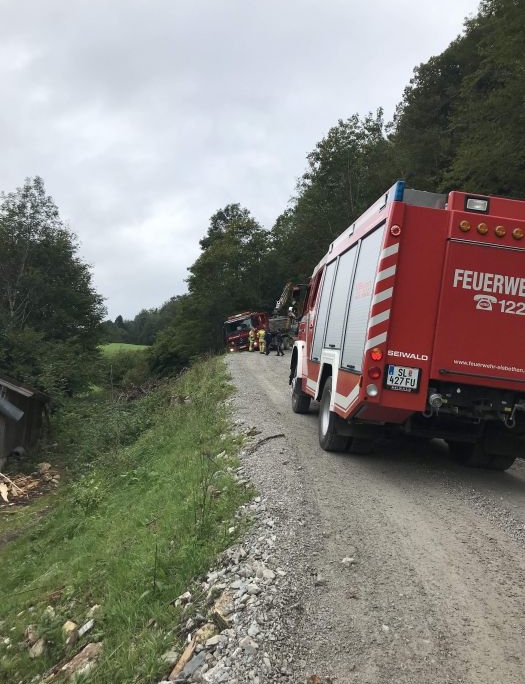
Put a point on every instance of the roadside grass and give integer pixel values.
(14, 520)
(147, 508)
(113, 348)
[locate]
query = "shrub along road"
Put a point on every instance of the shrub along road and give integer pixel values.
(410, 568)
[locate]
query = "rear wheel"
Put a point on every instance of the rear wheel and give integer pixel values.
(361, 446)
(329, 439)
(475, 456)
(300, 401)
(468, 454)
(501, 462)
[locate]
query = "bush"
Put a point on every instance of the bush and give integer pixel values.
(124, 370)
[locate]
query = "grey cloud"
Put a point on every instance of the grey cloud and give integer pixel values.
(146, 116)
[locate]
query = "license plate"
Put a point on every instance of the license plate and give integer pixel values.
(402, 378)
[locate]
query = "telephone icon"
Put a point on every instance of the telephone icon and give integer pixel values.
(485, 302)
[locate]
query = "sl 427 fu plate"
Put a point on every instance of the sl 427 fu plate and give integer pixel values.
(402, 378)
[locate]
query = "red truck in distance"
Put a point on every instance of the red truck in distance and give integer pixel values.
(237, 327)
(415, 322)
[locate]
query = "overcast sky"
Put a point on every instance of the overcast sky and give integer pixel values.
(144, 117)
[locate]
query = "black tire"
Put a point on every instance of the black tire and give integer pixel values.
(329, 439)
(300, 401)
(501, 462)
(470, 455)
(459, 451)
(361, 446)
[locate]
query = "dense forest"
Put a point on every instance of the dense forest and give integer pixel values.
(459, 125)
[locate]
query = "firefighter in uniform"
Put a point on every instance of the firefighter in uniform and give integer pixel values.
(261, 335)
(251, 339)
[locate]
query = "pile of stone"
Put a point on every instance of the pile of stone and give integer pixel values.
(237, 618)
(79, 661)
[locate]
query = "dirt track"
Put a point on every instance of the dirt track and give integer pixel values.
(435, 592)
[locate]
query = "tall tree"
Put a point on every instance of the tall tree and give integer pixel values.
(228, 276)
(348, 170)
(47, 299)
(490, 120)
(424, 139)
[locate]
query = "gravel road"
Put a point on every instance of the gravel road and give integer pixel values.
(402, 566)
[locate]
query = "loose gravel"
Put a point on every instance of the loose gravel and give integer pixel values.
(396, 568)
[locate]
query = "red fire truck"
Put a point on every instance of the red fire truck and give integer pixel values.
(415, 321)
(237, 327)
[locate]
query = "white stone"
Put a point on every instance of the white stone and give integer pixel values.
(248, 645)
(86, 628)
(253, 629)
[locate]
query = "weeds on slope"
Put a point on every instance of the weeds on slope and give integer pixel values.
(147, 508)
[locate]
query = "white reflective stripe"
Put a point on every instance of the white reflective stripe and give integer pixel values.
(386, 273)
(312, 384)
(346, 402)
(381, 296)
(374, 341)
(393, 249)
(383, 316)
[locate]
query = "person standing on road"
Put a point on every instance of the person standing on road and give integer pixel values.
(251, 339)
(268, 341)
(261, 334)
(279, 342)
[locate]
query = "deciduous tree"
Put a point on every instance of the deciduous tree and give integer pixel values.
(47, 300)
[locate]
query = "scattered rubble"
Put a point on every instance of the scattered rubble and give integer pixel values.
(20, 488)
(74, 663)
(38, 648)
(83, 662)
(241, 602)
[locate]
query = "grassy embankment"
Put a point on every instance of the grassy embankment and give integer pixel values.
(146, 507)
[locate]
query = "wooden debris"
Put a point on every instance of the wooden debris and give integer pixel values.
(185, 657)
(27, 486)
(254, 447)
(4, 478)
(4, 492)
(83, 662)
(52, 673)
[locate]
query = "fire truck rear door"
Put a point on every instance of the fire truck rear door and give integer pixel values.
(481, 321)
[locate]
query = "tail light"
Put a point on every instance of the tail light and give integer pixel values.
(376, 354)
(374, 372)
